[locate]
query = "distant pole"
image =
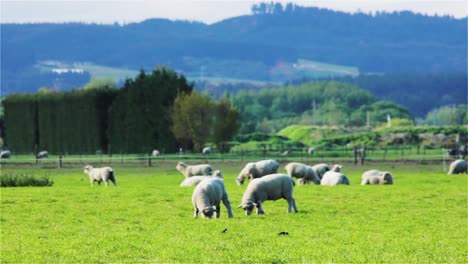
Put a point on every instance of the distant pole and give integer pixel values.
(367, 119)
(60, 162)
(443, 159)
(389, 120)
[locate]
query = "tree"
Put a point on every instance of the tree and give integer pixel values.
(226, 124)
(192, 119)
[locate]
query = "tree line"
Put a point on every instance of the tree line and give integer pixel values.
(315, 103)
(146, 113)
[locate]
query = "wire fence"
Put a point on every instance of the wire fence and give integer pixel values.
(349, 155)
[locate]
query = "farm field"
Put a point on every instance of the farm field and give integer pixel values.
(149, 218)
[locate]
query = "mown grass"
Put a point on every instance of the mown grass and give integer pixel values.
(148, 218)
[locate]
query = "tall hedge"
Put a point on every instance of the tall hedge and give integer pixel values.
(140, 118)
(72, 122)
(20, 115)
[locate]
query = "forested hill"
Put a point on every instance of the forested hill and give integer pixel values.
(384, 42)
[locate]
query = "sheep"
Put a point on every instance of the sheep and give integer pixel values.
(208, 194)
(207, 151)
(100, 175)
(310, 151)
(188, 171)
(155, 153)
(332, 178)
(195, 180)
(269, 187)
(320, 169)
(376, 177)
(42, 154)
(5, 154)
(458, 166)
(302, 171)
(257, 169)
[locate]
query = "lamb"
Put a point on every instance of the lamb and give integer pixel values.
(208, 194)
(376, 177)
(155, 153)
(458, 166)
(332, 178)
(269, 187)
(189, 171)
(207, 151)
(100, 175)
(5, 154)
(320, 169)
(195, 180)
(42, 154)
(303, 172)
(257, 169)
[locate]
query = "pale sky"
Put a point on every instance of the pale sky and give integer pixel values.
(207, 11)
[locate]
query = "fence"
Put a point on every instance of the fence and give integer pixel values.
(342, 154)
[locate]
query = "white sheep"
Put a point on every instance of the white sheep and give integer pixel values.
(304, 172)
(207, 196)
(320, 169)
(376, 177)
(192, 170)
(458, 166)
(42, 154)
(257, 169)
(311, 150)
(332, 178)
(155, 153)
(269, 187)
(194, 180)
(5, 154)
(100, 175)
(207, 151)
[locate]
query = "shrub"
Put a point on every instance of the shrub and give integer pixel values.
(22, 179)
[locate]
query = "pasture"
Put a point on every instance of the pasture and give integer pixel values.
(149, 218)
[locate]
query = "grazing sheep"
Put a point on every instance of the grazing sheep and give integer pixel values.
(257, 169)
(5, 154)
(155, 153)
(189, 171)
(100, 175)
(332, 178)
(303, 172)
(42, 154)
(320, 169)
(310, 151)
(208, 194)
(336, 168)
(269, 187)
(376, 177)
(194, 180)
(458, 166)
(207, 151)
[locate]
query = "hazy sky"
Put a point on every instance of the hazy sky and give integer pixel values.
(208, 11)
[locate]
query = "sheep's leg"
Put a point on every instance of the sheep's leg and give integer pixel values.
(364, 182)
(195, 213)
(106, 183)
(227, 203)
(218, 210)
(260, 208)
(292, 205)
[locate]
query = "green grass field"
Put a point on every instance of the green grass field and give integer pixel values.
(148, 218)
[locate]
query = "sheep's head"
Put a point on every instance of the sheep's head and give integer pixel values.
(87, 168)
(217, 173)
(248, 207)
(207, 212)
(388, 178)
(245, 173)
(181, 166)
